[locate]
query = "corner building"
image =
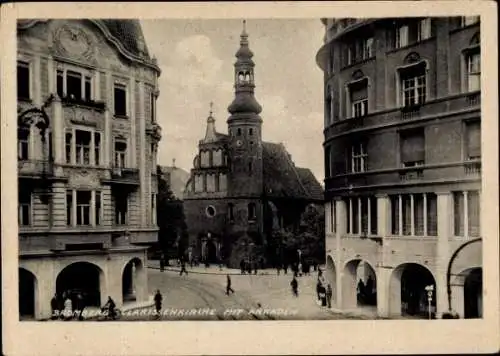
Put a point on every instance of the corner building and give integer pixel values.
(403, 163)
(241, 188)
(87, 146)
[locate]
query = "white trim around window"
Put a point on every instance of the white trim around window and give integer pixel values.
(125, 85)
(92, 148)
(62, 69)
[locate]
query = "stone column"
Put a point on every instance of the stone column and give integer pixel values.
(457, 302)
(383, 274)
(132, 118)
(142, 163)
(44, 290)
(57, 125)
(341, 229)
(444, 232)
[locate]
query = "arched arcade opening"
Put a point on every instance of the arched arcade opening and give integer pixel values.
(359, 284)
(27, 294)
(473, 294)
(408, 294)
(82, 278)
(130, 279)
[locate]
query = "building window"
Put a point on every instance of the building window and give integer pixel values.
(413, 85)
(69, 207)
(473, 140)
(412, 148)
(82, 144)
(358, 95)
(474, 71)
(24, 208)
(467, 213)
(153, 208)
(23, 80)
(359, 158)
(121, 209)
(23, 135)
(210, 211)
(120, 99)
(230, 212)
(97, 148)
(98, 208)
(69, 146)
(238, 132)
(328, 165)
(361, 216)
(250, 167)
(252, 213)
(120, 154)
(359, 50)
(83, 203)
(153, 107)
(74, 85)
(414, 214)
(412, 32)
(250, 132)
(469, 20)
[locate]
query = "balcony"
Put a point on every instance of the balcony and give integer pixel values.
(83, 112)
(34, 169)
(125, 176)
(430, 173)
(398, 116)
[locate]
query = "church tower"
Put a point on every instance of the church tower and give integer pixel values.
(245, 127)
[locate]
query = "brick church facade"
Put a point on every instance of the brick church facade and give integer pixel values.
(242, 189)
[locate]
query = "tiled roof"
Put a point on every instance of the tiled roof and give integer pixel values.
(283, 180)
(129, 33)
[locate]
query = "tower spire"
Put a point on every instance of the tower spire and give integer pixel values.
(210, 135)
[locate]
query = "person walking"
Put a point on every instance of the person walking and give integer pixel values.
(54, 306)
(162, 263)
(361, 291)
(228, 285)
(158, 299)
(183, 268)
(329, 294)
(278, 269)
(295, 286)
(242, 266)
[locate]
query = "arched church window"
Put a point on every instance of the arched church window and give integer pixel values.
(239, 132)
(252, 213)
(217, 157)
(222, 183)
(250, 167)
(250, 131)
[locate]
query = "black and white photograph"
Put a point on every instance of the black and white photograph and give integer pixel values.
(251, 169)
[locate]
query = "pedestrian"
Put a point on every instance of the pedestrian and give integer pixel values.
(322, 295)
(158, 299)
(285, 268)
(68, 309)
(183, 267)
(295, 286)
(111, 308)
(278, 269)
(242, 266)
(228, 285)
(361, 290)
(162, 263)
(54, 306)
(329, 295)
(369, 289)
(318, 289)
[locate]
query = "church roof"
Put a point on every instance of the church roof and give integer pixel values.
(283, 180)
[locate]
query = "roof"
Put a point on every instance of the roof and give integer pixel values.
(129, 33)
(283, 180)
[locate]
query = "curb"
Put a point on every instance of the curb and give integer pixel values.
(175, 269)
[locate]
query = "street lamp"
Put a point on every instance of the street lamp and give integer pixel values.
(430, 290)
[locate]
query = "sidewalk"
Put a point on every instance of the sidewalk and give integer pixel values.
(201, 269)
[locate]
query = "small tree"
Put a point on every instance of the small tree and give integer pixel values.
(171, 220)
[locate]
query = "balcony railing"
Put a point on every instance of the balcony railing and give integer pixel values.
(428, 110)
(124, 175)
(34, 168)
(465, 170)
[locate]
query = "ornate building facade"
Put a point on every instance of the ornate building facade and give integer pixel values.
(87, 146)
(241, 188)
(403, 163)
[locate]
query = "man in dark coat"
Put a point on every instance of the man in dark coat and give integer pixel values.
(242, 266)
(158, 299)
(183, 267)
(228, 285)
(162, 263)
(54, 306)
(329, 294)
(295, 286)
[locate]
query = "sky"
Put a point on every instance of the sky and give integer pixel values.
(197, 57)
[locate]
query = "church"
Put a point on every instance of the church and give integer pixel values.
(241, 190)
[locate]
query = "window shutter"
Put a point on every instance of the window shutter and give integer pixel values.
(474, 139)
(413, 148)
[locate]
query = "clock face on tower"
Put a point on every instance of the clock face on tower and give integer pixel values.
(239, 143)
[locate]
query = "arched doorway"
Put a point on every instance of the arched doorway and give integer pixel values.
(473, 294)
(27, 293)
(129, 279)
(211, 252)
(81, 278)
(359, 284)
(408, 294)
